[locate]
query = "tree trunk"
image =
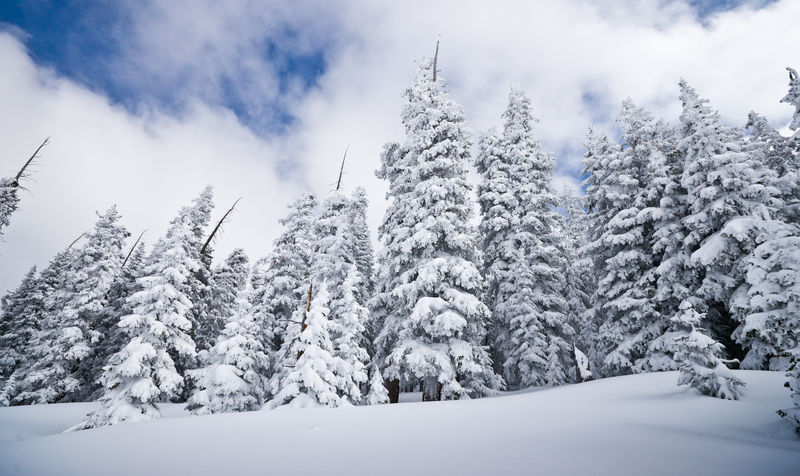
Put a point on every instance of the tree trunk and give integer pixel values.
(431, 390)
(393, 387)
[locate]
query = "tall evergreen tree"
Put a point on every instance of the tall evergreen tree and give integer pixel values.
(143, 372)
(335, 264)
(63, 370)
(623, 298)
(578, 275)
(281, 285)
(363, 254)
(22, 387)
(501, 252)
(19, 324)
(729, 199)
(540, 337)
(431, 301)
(227, 282)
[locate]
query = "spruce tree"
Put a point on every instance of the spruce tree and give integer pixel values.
(281, 280)
(362, 251)
(729, 200)
(577, 274)
(63, 370)
(227, 281)
(144, 372)
(23, 386)
(312, 379)
(19, 324)
(334, 263)
(540, 337)
(434, 322)
(232, 377)
(793, 99)
(499, 207)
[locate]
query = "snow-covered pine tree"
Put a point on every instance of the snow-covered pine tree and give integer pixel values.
(377, 394)
(540, 338)
(385, 320)
(770, 309)
(793, 99)
(63, 370)
(228, 281)
(334, 264)
(9, 201)
(499, 206)
(362, 252)
(626, 265)
(113, 336)
(19, 324)
(312, 380)
(729, 201)
(198, 288)
(10, 188)
(786, 281)
(769, 147)
(578, 274)
(430, 301)
(600, 209)
(143, 372)
(699, 356)
(233, 376)
(280, 281)
(21, 386)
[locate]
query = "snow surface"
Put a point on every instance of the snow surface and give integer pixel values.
(638, 425)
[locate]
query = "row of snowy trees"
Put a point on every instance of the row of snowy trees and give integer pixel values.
(684, 253)
(695, 242)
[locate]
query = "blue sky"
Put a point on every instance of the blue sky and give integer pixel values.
(148, 101)
(80, 39)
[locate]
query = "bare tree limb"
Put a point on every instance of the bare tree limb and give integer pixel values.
(76, 239)
(21, 172)
(219, 226)
(133, 248)
(341, 169)
(435, 60)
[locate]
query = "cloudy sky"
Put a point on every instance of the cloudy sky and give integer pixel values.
(146, 102)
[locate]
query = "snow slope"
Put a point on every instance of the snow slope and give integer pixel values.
(636, 425)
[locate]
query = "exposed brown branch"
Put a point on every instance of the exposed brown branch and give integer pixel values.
(219, 226)
(341, 169)
(133, 247)
(21, 172)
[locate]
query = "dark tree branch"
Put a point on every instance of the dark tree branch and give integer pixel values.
(219, 226)
(21, 172)
(133, 248)
(341, 169)
(435, 60)
(76, 239)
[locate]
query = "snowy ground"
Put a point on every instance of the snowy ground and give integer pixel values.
(637, 425)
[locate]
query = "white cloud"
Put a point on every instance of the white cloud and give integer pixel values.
(560, 52)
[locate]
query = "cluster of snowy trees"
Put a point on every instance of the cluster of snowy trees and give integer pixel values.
(683, 254)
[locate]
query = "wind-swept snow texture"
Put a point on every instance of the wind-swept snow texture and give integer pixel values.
(632, 425)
